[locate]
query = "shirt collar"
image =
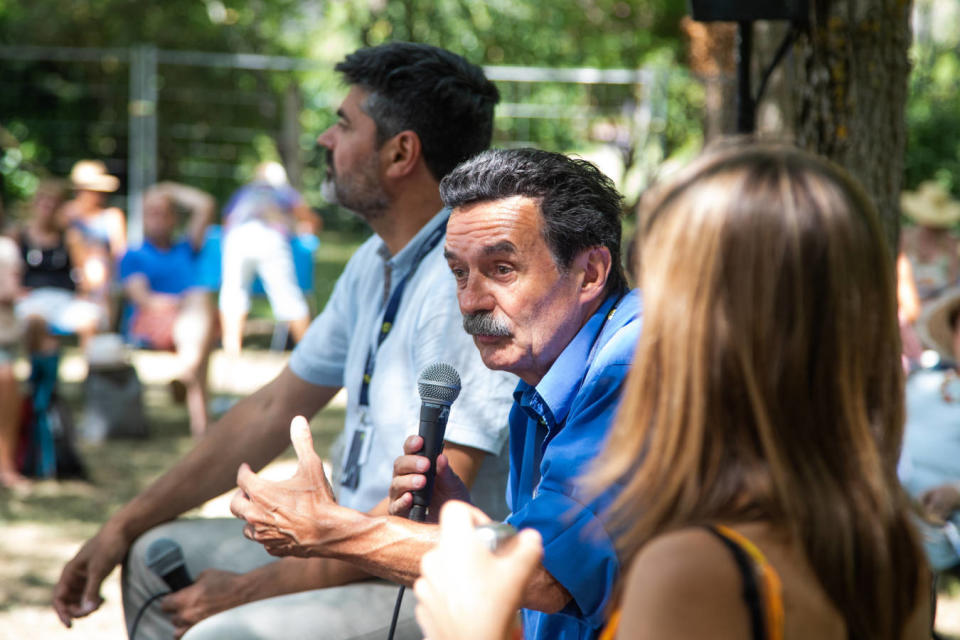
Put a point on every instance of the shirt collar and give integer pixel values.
(401, 263)
(554, 394)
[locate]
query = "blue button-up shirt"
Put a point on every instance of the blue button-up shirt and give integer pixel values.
(556, 430)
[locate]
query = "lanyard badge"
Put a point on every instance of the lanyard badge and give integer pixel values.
(360, 442)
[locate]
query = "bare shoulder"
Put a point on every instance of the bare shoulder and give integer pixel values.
(683, 584)
(115, 216)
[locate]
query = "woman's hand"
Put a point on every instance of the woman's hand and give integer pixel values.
(465, 592)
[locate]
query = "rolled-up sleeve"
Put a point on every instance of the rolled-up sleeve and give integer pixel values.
(578, 550)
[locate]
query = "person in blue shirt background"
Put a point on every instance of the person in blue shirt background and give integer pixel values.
(533, 243)
(171, 308)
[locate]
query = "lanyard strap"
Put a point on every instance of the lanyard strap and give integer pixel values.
(393, 305)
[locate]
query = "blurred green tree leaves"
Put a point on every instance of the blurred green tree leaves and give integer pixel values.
(933, 118)
(60, 111)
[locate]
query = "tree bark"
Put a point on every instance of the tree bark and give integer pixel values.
(712, 58)
(849, 98)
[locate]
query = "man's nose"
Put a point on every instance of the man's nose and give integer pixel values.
(474, 296)
(325, 139)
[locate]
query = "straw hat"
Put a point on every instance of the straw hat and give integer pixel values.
(934, 324)
(91, 175)
(930, 205)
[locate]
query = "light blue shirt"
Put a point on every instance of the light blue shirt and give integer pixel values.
(428, 328)
(931, 455)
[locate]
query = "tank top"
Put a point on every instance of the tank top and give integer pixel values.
(46, 266)
(762, 592)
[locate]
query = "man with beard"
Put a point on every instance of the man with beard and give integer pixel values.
(411, 114)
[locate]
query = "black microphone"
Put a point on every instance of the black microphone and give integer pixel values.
(439, 386)
(165, 558)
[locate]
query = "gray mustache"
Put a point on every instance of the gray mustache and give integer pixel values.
(486, 324)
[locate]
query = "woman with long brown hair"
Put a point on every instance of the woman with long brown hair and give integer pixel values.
(757, 440)
(765, 412)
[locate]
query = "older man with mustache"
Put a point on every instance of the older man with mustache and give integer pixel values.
(533, 244)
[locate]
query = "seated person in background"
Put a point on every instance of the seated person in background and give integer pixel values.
(533, 244)
(50, 255)
(757, 441)
(102, 230)
(930, 462)
(10, 336)
(159, 278)
(259, 221)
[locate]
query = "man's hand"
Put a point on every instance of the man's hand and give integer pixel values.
(77, 593)
(941, 502)
(293, 517)
(465, 592)
(408, 475)
(212, 592)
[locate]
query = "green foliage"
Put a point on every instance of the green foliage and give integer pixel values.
(601, 33)
(933, 124)
(214, 124)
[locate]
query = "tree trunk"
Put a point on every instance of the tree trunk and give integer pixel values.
(850, 93)
(712, 59)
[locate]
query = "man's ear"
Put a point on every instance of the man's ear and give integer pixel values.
(596, 264)
(401, 154)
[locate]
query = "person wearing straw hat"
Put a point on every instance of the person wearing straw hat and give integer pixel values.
(930, 246)
(100, 230)
(929, 467)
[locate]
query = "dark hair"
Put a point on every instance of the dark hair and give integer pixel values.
(438, 95)
(581, 207)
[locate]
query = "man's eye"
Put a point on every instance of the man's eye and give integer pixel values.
(503, 269)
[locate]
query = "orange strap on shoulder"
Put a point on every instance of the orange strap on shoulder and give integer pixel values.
(610, 631)
(772, 588)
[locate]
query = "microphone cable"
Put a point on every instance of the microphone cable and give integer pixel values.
(396, 612)
(143, 609)
(417, 514)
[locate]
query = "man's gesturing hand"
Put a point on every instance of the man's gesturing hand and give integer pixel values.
(77, 593)
(293, 517)
(408, 476)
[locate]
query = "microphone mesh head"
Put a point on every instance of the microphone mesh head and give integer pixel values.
(439, 383)
(163, 556)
